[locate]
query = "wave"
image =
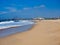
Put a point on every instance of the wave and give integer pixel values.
(8, 24)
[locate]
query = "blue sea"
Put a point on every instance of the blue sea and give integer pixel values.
(20, 26)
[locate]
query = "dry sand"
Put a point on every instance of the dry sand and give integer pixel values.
(45, 32)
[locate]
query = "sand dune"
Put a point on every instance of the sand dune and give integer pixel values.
(45, 32)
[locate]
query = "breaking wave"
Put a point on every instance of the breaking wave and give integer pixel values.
(8, 24)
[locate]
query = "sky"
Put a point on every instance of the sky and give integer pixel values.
(29, 8)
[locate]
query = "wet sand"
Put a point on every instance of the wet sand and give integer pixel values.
(45, 32)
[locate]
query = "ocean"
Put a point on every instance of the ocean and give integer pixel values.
(10, 27)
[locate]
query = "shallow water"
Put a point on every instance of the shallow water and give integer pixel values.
(25, 26)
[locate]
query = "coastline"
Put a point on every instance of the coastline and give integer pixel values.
(14, 30)
(45, 32)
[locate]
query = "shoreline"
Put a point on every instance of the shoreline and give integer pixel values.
(23, 22)
(14, 30)
(45, 32)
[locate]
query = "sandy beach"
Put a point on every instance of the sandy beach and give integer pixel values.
(45, 32)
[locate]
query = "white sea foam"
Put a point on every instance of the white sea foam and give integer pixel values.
(3, 27)
(9, 24)
(6, 22)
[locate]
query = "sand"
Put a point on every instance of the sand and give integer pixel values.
(45, 32)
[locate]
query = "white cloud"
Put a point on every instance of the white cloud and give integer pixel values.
(11, 9)
(3, 12)
(26, 8)
(35, 7)
(16, 5)
(41, 6)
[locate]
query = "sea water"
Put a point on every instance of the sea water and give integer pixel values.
(23, 25)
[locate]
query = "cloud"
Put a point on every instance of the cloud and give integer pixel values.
(11, 9)
(3, 12)
(26, 8)
(16, 5)
(41, 6)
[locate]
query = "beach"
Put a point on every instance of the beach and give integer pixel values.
(44, 32)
